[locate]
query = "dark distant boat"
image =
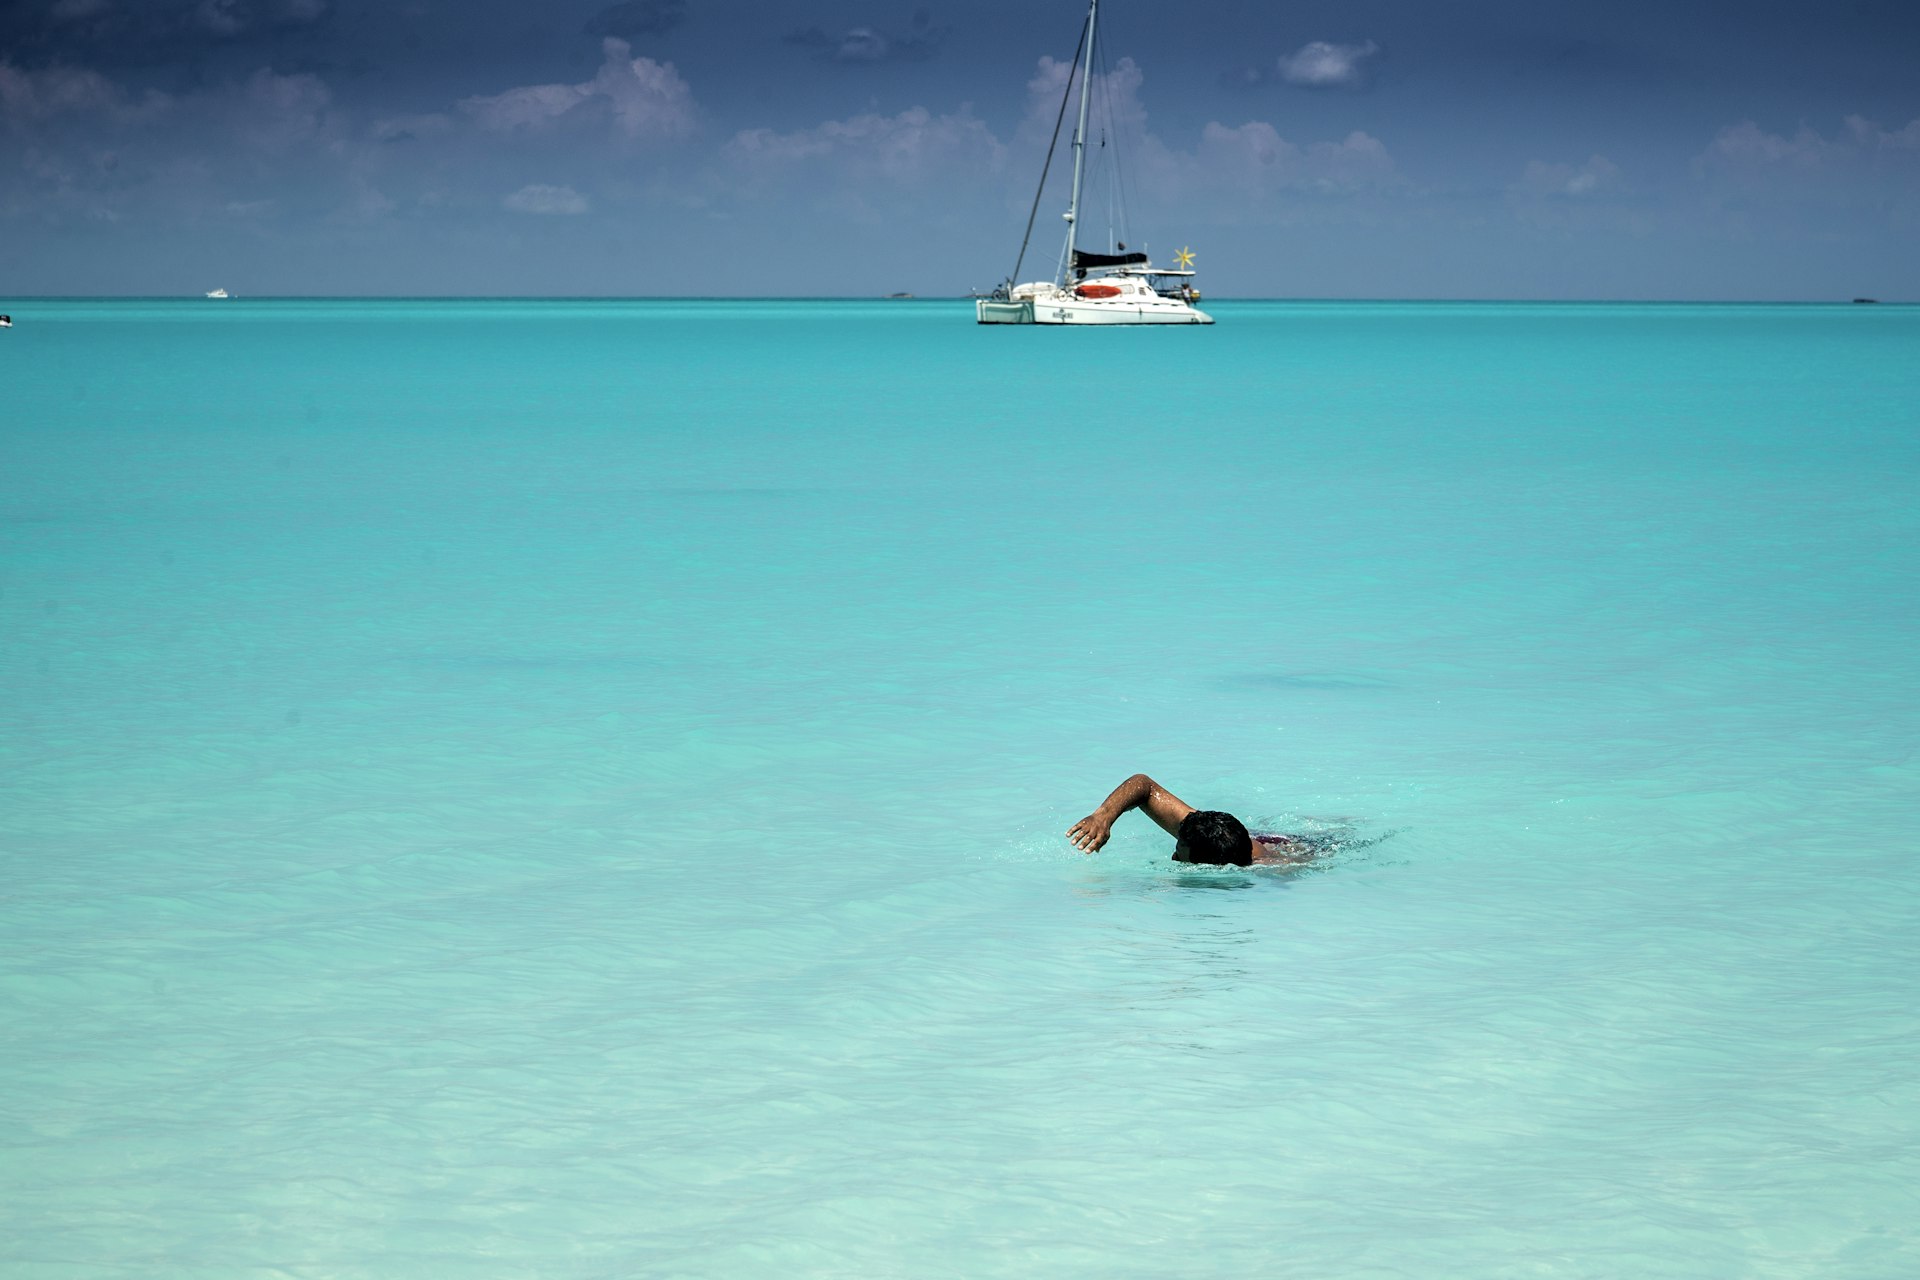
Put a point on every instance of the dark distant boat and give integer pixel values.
(895, 296)
(1864, 301)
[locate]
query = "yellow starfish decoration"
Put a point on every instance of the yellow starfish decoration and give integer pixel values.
(1184, 258)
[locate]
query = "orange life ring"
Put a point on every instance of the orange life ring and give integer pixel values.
(1098, 290)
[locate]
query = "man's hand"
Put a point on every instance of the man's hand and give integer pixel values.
(1137, 792)
(1091, 832)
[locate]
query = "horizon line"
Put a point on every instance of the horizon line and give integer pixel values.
(939, 298)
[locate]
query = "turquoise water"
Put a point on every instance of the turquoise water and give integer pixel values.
(576, 789)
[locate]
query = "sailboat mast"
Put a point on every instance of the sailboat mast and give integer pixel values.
(1080, 134)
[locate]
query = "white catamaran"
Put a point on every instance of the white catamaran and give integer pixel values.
(1091, 288)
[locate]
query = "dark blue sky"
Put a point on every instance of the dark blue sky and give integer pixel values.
(1393, 149)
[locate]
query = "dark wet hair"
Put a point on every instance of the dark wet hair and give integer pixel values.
(1207, 835)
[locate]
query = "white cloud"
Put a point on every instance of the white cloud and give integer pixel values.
(1565, 198)
(1358, 161)
(34, 94)
(38, 95)
(1747, 146)
(77, 10)
(523, 108)
(644, 98)
(1119, 88)
(1543, 180)
(1863, 167)
(1905, 139)
(1254, 154)
(1747, 149)
(1323, 65)
(541, 198)
(913, 146)
(861, 44)
(1250, 160)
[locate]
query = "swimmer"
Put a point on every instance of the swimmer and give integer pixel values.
(1199, 835)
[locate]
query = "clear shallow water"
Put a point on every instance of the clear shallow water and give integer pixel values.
(575, 789)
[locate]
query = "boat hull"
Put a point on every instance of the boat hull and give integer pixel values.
(994, 311)
(1088, 311)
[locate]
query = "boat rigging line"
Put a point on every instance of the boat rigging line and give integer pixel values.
(1065, 94)
(1117, 185)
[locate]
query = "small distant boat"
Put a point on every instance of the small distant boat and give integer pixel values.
(6, 322)
(895, 297)
(216, 293)
(1864, 301)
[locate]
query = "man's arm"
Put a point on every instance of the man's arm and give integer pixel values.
(1137, 792)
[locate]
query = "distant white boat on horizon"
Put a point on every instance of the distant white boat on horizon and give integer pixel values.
(216, 293)
(1116, 287)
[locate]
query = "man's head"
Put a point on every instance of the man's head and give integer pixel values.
(1207, 835)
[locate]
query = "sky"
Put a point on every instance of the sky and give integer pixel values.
(1639, 149)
